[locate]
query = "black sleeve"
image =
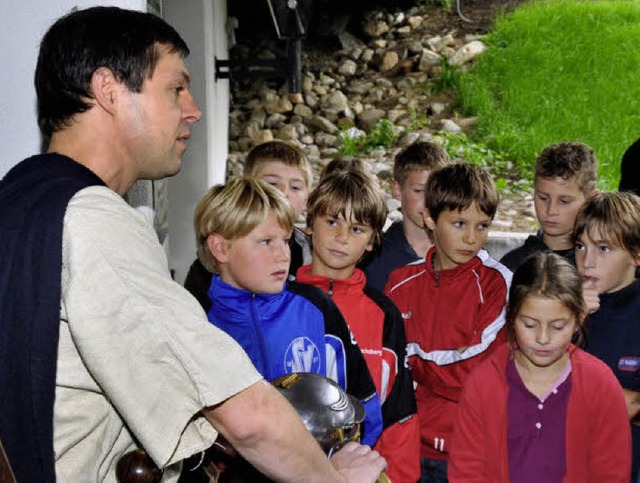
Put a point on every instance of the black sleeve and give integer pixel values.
(400, 402)
(198, 282)
(359, 382)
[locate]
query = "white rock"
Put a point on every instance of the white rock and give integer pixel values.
(467, 53)
(448, 125)
(348, 68)
(428, 59)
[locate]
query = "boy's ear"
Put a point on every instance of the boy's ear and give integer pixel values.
(219, 248)
(429, 222)
(396, 190)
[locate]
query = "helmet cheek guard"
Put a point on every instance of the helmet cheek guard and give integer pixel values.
(332, 416)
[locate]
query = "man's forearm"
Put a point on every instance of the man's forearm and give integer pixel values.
(266, 430)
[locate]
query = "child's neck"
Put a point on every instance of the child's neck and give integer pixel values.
(539, 380)
(556, 243)
(417, 237)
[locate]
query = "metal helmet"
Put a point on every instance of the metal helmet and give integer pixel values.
(332, 416)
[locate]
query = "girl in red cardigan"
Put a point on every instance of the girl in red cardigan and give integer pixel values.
(540, 409)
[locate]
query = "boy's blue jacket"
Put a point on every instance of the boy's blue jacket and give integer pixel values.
(299, 329)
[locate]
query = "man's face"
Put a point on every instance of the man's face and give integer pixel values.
(458, 235)
(411, 196)
(288, 179)
(259, 261)
(557, 201)
(155, 123)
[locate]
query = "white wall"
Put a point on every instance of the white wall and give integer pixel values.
(24, 22)
(202, 24)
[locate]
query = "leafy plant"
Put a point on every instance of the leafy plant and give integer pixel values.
(356, 142)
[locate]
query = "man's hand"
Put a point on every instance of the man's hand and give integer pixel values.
(590, 296)
(358, 463)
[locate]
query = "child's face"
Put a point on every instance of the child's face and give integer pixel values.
(288, 179)
(338, 244)
(543, 330)
(557, 202)
(458, 235)
(604, 265)
(411, 196)
(259, 261)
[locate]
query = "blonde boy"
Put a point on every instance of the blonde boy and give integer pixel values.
(285, 167)
(565, 176)
(607, 238)
(407, 240)
(345, 217)
(452, 302)
(243, 230)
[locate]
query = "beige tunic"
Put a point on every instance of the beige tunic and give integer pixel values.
(137, 355)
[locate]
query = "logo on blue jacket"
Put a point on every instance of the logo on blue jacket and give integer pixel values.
(302, 355)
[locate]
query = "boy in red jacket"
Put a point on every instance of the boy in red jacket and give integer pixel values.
(345, 216)
(452, 303)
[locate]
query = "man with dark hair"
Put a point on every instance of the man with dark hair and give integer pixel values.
(100, 351)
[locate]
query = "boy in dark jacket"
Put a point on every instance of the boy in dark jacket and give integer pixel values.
(407, 240)
(345, 217)
(607, 237)
(565, 176)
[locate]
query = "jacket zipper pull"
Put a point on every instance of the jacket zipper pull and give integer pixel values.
(437, 278)
(330, 292)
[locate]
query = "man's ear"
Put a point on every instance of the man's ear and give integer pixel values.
(218, 247)
(429, 222)
(395, 190)
(104, 87)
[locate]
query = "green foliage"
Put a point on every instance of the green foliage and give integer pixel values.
(445, 4)
(559, 71)
(381, 136)
(449, 78)
(461, 148)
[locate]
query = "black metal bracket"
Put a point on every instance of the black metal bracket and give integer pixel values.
(289, 26)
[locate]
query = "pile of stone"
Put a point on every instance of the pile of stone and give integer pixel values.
(349, 91)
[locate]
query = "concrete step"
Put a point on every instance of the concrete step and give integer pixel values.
(500, 242)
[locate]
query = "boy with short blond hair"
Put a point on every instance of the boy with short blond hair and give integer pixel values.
(243, 230)
(452, 303)
(345, 217)
(407, 240)
(285, 167)
(565, 175)
(607, 238)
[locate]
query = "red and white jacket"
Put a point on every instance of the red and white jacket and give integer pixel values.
(453, 320)
(377, 326)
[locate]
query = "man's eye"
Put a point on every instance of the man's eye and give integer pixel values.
(266, 241)
(605, 249)
(579, 247)
(483, 226)
(458, 224)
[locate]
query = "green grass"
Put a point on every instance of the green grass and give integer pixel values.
(559, 71)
